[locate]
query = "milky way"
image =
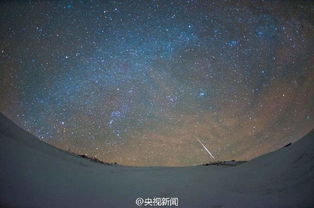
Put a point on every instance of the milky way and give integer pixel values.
(140, 82)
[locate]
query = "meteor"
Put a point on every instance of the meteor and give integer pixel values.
(206, 149)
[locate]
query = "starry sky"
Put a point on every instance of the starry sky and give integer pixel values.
(140, 82)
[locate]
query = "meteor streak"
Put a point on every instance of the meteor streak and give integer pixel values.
(206, 149)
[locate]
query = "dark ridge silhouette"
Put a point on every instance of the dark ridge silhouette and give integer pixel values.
(94, 159)
(287, 145)
(225, 163)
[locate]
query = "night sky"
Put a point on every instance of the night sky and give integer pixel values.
(140, 82)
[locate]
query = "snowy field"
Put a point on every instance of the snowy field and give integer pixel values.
(34, 174)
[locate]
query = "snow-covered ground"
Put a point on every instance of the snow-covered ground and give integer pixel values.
(35, 174)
